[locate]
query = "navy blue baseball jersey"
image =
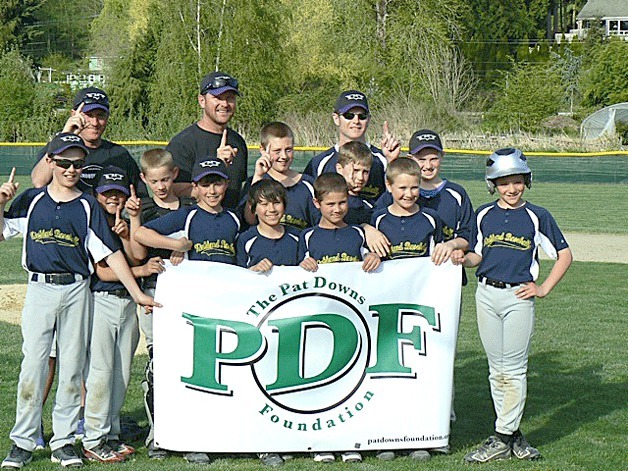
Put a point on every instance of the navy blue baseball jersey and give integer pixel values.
(252, 247)
(360, 211)
(96, 284)
(59, 237)
(326, 162)
(300, 211)
(213, 235)
(410, 236)
(347, 244)
(508, 241)
(107, 154)
(453, 205)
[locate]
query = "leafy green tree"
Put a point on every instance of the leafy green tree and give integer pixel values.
(16, 19)
(17, 89)
(525, 96)
(605, 78)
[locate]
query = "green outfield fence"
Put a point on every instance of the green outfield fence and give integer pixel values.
(459, 164)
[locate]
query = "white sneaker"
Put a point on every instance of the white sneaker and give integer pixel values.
(324, 457)
(351, 457)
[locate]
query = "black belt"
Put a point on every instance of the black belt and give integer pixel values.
(56, 278)
(497, 284)
(121, 293)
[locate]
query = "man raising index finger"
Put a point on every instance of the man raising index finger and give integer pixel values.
(210, 136)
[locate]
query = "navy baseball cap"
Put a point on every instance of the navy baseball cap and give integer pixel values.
(351, 99)
(216, 83)
(209, 166)
(112, 178)
(93, 98)
(425, 138)
(64, 141)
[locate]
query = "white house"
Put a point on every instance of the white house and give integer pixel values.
(611, 15)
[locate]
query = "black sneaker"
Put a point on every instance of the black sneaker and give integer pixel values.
(66, 456)
(492, 449)
(522, 449)
(17, 458)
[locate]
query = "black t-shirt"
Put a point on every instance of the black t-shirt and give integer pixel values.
(194, 143)
(107, 154)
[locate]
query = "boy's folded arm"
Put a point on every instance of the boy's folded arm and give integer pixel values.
(152, 238)
(120, 267)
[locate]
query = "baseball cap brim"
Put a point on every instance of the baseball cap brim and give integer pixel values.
(113, 186)
(426, 145)
(69, 146)
(93, 106)
(221, 90)
(346, 108)
(200, 176)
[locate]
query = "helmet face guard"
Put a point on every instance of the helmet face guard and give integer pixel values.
(506, 162)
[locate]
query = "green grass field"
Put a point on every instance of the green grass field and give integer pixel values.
(576, 411)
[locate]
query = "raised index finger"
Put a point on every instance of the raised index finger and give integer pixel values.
(386, 128)
(79, 110)
(223, 141)
(132, 190)
(12, 176)
(118, 211)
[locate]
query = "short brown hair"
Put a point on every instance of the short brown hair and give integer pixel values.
(268, 189)
(155, 158)
(355, 152)
(402, 166)
(329, 182)
(275, 129)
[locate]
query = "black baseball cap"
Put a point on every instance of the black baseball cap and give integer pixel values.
(64, 141)
(350, 99)
(216, 83)
(425, 138)
(112, 178)
(93, 98)
(209, 166)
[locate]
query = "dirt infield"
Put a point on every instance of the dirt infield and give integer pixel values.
(586, 248)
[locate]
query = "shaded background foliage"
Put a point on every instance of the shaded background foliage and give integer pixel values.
(427, 62)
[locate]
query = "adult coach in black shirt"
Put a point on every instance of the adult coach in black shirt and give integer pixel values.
(210, 136)
(89, 118)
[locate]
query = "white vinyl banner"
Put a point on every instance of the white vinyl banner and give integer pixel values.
(335, 360)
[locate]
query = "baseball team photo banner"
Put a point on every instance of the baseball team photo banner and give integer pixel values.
(290, 360)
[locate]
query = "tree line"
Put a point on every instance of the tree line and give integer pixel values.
(422, 62)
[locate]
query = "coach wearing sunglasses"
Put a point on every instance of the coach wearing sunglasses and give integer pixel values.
(210, 136)
(89, 117)
(351, 116)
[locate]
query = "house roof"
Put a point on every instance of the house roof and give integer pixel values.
(604, 9)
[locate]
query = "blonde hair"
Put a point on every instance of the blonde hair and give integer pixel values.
(355, 152)
(402, 166)
(156, 158)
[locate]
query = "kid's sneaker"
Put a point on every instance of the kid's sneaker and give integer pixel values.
(66, 456)
(324, 457)
(522, 449)
(492, 449)
(273, 460)
(121, 448)
(102, 453)
(351, 457)
(17, 458)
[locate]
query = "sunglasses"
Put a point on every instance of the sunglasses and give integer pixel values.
(349, 116)
(66, 163)
(219, 82)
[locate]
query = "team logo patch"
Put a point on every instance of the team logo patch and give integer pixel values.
(355, 96)
(70, 138)
(96, 96)
(426, 137)
(210, 163)
(113, 176)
